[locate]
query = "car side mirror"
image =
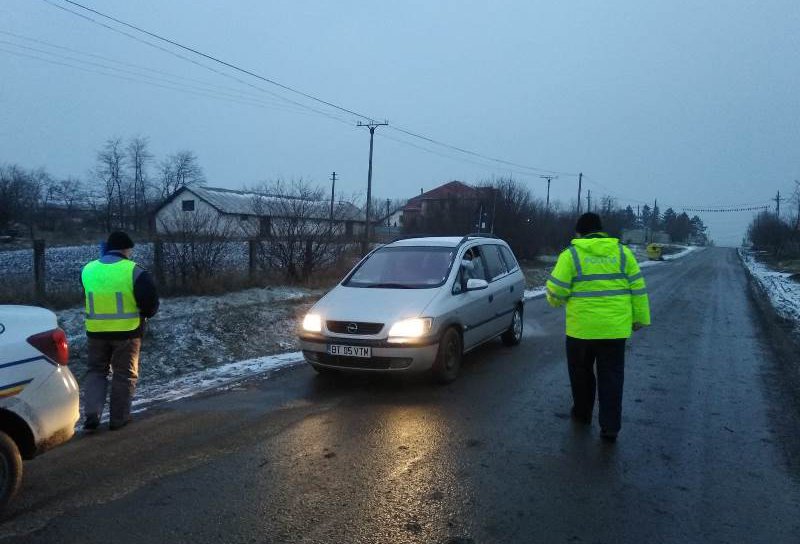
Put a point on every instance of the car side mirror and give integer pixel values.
(474, 284)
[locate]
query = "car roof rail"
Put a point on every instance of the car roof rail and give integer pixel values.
(466, 237)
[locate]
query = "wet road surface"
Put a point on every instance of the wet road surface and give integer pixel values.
(707, 453)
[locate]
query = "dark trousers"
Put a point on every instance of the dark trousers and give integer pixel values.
(609, 356)
(122, 358)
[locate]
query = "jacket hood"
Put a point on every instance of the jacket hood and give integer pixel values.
(597, 246)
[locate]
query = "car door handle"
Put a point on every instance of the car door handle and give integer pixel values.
(491, 298)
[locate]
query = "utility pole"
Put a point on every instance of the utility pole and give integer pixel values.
(797, 196)
(388, 214)
(580, 182)
(494, 207)
(372, 125)
(589, 200)
(333, 197)
(548, 178)
(777, 200)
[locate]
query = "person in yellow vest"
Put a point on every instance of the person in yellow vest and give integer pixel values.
(120, 297)
(599, 281)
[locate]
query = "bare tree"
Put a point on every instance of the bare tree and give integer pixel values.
(195, 245)
(110, 170)
(20, 192)
(139, 158)
(179, 170)
(302, 236)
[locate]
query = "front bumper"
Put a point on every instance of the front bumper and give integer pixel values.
(386, 357)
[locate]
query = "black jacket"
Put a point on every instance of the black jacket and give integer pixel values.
(145, 293)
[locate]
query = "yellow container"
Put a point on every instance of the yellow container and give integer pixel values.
(654, 252)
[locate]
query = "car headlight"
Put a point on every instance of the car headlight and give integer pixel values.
(312, 323)
(411, 328)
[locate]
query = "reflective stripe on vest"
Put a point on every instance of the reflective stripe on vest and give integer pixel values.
(110, 301)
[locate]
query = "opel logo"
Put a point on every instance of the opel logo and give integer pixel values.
(352, 328)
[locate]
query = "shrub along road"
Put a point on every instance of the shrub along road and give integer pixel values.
(708, 450)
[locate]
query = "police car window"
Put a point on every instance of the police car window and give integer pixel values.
(494, 262)
(508, 257)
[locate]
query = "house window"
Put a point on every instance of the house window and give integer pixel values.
(187, 205)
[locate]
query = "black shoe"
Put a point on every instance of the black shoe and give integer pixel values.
(583, 419)
(608, 436)
(118, 426)
(90, 424)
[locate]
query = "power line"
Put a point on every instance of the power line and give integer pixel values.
(218, 60)
(196, 63)
(276, 83)
(169, 79)
(124, 63)
(153, 83)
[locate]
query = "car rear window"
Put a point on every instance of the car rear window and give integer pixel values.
(494, 261)
(508, 257)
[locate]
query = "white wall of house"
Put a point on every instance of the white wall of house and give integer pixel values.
(174, 218)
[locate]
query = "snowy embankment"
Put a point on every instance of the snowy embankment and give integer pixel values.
(203, 342)
(782, 290)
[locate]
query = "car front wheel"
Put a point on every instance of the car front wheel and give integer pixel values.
(513, 335)
(10, 470)
(448, 358)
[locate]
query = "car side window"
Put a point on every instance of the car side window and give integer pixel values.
(472, 266)
(494, 262)
(508, 257)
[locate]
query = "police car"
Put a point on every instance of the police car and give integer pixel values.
(38, 393)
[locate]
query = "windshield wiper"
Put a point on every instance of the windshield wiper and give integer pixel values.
(388, 286)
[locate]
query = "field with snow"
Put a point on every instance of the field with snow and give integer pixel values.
(783, 289)
(63, 264)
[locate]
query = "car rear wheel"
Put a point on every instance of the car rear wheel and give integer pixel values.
(513, 335)
(10, 469)
(448, 358)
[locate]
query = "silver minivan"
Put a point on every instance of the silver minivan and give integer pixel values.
(417, 305)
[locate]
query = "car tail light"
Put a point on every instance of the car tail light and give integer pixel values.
(53, 344)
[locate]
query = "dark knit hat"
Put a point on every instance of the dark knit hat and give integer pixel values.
(118, 240)
(588, 223)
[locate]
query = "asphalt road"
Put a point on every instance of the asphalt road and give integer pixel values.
(708, 450)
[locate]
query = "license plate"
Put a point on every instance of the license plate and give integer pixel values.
(350, 351)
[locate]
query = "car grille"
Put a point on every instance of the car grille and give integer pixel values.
(361, 328)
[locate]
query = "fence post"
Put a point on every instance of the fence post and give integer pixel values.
(39, 269)
(158, 261)
(252, 258)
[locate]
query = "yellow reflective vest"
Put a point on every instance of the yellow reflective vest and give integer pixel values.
(110, 302)
(600, 282)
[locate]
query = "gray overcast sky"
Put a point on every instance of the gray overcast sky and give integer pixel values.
(693, 103)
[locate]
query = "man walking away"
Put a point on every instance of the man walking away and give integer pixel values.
(599, 281)
(120, 297)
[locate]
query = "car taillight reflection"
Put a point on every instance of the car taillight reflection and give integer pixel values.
(53, 344)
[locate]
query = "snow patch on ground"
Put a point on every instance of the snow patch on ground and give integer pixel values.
(535, 293)
(782, 290)
(212, 378)
(644, 263)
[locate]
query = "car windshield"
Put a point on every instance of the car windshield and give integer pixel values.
(404, 268)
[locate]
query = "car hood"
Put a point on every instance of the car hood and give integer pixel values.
(373, 305)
